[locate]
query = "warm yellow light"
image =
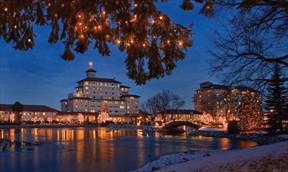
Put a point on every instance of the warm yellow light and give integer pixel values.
(79, 16)
(208, 7)
(161, 17)
(81, 36)
(107, 36)
(118, 41)
(103, 13)
(134, 18)
(180, 43)
(6, 9)
(97, 27)
(29, 40)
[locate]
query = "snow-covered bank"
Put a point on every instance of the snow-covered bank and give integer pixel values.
(262, 158)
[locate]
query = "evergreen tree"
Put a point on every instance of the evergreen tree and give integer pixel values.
(17, 108)
(276, 100)
(249, 112)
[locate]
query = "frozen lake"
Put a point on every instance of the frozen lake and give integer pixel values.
(98, 149)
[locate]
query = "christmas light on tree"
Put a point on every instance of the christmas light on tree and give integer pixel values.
(103, 116)
(249, 112)
(137, 27)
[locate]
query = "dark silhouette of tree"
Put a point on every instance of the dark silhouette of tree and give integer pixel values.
(163, 101)
(254, 41)
(276, 101)
(17, 108)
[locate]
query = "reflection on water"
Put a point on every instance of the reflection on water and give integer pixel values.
(99, 149)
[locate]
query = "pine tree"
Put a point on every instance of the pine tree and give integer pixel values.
(276, 100)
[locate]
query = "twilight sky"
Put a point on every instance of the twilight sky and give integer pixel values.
(40, 76)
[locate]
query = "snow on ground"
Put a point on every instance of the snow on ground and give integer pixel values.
(285, 136)
(268, 158)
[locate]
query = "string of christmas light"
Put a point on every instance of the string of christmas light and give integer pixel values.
(153, 43)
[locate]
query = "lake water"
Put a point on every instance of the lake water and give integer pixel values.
(99, 149)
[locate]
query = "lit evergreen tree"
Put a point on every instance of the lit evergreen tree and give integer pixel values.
(276, 100)
(249, 112)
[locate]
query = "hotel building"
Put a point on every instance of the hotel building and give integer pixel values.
(220, 100)
(92, 93)
(30, 113)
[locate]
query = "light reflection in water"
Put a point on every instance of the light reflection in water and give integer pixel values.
(100, 149)
(246, 143)
(224, 143)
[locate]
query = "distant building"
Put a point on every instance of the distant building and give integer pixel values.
(30, 113)
(220, 100)
(92, 92)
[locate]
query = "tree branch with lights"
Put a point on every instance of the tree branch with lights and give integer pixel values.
(153, 43)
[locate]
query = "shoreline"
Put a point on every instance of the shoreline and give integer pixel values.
(253, 159)
(259, 138)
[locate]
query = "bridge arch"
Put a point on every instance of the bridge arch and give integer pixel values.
(174, 124)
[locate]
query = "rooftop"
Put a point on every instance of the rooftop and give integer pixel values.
(29, 108)
(90, 70)
(225, 87)
(124, 86)
(130, 95)
(100, 80)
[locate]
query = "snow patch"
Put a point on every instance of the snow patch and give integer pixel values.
(183, 162)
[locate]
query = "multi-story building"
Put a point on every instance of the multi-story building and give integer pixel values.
(92, 92)
(30, 113)
(220, 100)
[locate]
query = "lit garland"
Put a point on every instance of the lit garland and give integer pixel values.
(152, 42)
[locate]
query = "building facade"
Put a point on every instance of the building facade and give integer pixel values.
(92, 92)
(30, 113)
(219, 100)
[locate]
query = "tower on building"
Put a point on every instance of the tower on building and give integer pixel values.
(90, 73)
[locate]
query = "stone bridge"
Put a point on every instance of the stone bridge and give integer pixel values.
(178, 123)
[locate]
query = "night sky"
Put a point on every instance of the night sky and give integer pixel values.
(40, 76)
